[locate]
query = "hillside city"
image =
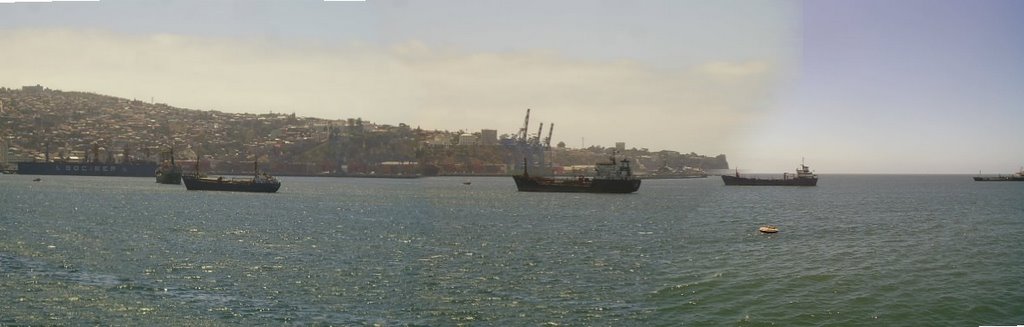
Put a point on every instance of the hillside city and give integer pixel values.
(39, 124)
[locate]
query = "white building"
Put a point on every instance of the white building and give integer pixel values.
(439, 140)
(467, 139)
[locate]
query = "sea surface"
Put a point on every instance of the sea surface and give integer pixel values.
(857, 250)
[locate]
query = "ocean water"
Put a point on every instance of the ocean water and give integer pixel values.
(857, 250)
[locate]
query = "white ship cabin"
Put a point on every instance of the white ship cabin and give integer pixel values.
(805, 172)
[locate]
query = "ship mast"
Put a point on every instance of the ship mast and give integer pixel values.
(526, 164)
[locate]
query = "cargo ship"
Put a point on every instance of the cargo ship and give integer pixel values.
(91, 166)
(803, 177)
(134, 169)
(1015, 177)
(168, 172)
(257, 183)
(610, 177)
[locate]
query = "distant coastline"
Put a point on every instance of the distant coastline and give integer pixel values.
(43, 125)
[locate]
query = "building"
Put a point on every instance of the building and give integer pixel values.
(439, 140)
(488, 137)
(397, 168)
(3, 153)
(620, 146)
(467, 139)
(37, 88)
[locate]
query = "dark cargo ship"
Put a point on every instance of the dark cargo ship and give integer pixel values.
(141, 169)
(803, 177)
(258, 183)
(91, 166)
(1016, 177)
(169, 172)
(610, 177)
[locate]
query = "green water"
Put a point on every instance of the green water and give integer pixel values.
(857, 250)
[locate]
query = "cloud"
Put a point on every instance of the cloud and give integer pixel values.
(689, 109)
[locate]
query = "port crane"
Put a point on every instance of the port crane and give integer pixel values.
(547, 140)
(531, 147)
(526, 125)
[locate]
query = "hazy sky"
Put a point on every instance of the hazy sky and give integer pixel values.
(902, 86)
(853, 86)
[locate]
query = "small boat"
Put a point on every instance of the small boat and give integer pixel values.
(467, 183)
(258, 183)
(37, 179)
(768, 229)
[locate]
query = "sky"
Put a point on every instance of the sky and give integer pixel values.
(849, 86)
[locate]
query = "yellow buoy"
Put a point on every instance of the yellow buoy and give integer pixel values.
(768, 229)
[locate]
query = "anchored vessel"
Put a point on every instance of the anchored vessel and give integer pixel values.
(91, 166)
(258, 183)
(803, 177)
(1016, 177)
(169, 172)
(140, 169)
(610, 177)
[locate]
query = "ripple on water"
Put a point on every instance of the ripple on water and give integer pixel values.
(858, 250)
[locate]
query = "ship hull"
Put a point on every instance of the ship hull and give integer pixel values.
(542, 184)
(224, 184)
(172, 176)
(743, 181)
(999, 179)
(87, 169)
